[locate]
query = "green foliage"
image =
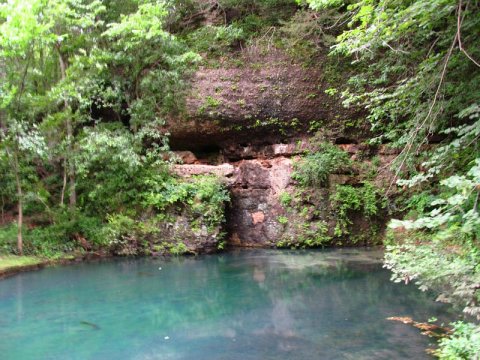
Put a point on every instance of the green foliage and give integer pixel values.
(60, 237)
(313, 169)
(417, 74)
(282, 220)
(204, 196)
(121, 234)
(411, 84)
(446, 264)
(285, 198)
(65, 64)
(307, 236)
(209, 103)
(221, 245)
(306, 34)
(57, 238)
(216, 39)
(347, 199)
(22, 146)
(178, 249)
(7, 183)
(271, 12)
(110, 169)
(456, 205)
(202, 200)
(239, 24)
(8, 239)
(463, 343)
(321, 4)
(49, 242)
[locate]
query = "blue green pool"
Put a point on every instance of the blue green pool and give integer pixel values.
(243, 305)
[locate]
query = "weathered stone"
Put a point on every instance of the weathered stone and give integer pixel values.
(187, 157)
(251, 105)
(256, 186)
(189, 170)
(252, 174)
(255, 205)
(197, 240)
(237, 151)
(341, 179)
(258, 217)
(350, 148)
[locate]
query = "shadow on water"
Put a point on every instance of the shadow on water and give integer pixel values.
(90, 325)
(260, 304)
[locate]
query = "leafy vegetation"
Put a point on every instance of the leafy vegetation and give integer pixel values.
(305, 236)
(463, 344)
(348, 203)
(84, 93)
(314, 168)
(348, 200)
(422, 80)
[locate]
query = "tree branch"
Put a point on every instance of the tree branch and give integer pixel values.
(459, 29)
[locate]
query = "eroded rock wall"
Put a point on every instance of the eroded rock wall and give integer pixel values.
(255, 207)
(247, 119)
(268, 207)
(259, 97)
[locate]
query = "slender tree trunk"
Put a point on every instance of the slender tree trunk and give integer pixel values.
(16, 165)
(475, 205)
(20, 202)
(64, 186)
(71, 166)
(3, 209)
(69, 162)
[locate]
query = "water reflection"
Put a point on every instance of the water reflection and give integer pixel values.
(245, 305)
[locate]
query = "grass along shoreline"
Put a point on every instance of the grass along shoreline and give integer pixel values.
(12, 264)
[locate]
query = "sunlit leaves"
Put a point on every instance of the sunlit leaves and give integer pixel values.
(144, 24)
(455, 206)
(22, 22)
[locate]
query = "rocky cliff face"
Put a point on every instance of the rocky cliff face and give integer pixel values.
(253, 219)
(268, 207)
(248, 120)
(257, 98)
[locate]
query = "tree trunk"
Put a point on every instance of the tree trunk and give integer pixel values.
(71, 166)
(3, 210)
(20, 203)
(64, 186)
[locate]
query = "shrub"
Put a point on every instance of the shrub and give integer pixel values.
(463, 343)
(178, 249)
(8, 239)
(120, 233)
(307, 236)
(56, 238)
(364, 199)
(282, 220)
(285, 198)
(215, 39)
(313, 169)
(49, 241)
(204, 196)
(441, 265)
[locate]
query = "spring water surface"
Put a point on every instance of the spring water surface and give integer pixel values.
(244, 305)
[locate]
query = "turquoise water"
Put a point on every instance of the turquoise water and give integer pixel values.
(243, 305)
